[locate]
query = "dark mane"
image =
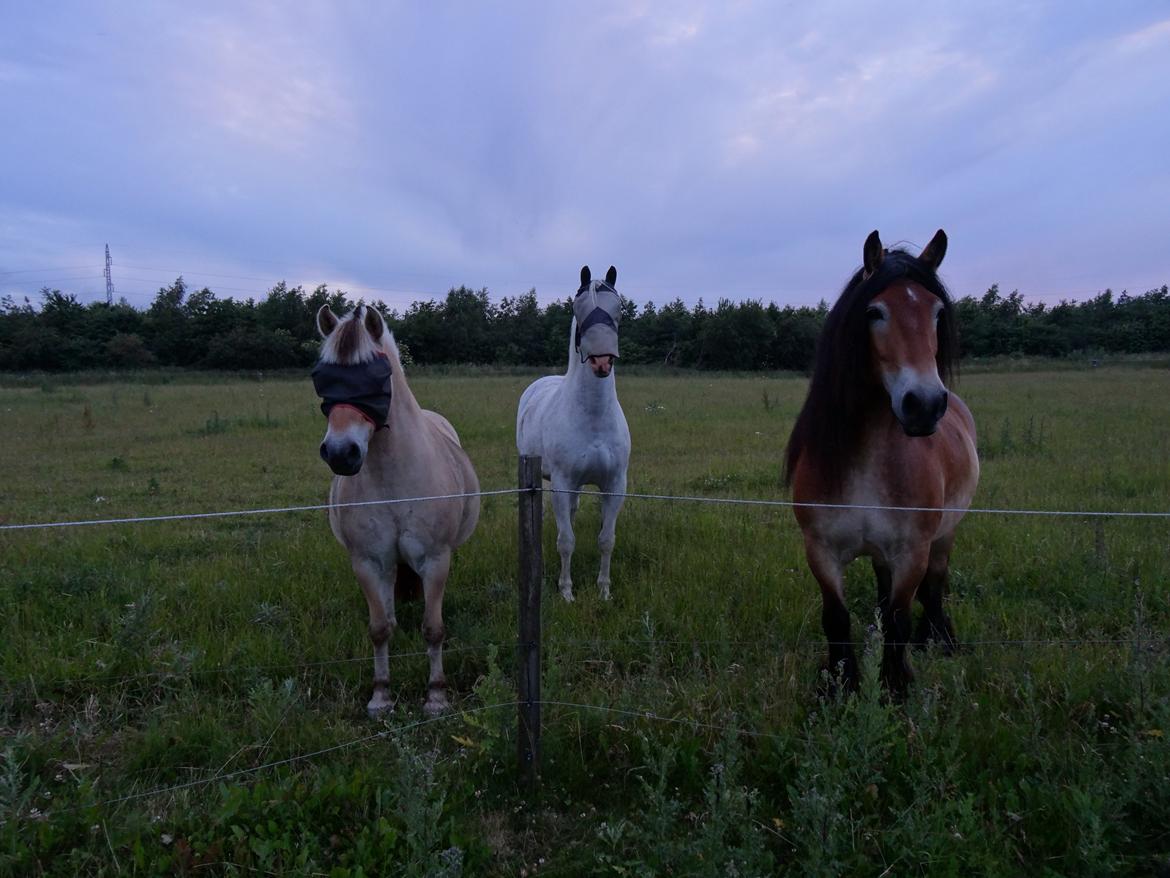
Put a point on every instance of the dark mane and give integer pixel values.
(843, 389)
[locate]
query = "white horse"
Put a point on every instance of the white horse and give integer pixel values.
(382, 445)
(576, 425)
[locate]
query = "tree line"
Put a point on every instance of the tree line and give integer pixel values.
(197, 329)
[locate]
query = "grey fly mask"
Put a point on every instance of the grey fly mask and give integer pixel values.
(598, 309)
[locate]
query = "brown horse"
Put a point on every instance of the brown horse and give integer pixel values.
(880, 429)
(382, 445)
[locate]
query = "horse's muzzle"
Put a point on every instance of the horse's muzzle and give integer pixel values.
(920, 413)
(345, 459)
(602, 365)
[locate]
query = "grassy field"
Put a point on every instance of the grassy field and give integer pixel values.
(136, 657)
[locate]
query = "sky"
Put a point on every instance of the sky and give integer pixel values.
(732, 149)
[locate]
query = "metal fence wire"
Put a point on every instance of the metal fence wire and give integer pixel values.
(534, 701)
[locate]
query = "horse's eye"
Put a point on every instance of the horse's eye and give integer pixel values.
(873, 313)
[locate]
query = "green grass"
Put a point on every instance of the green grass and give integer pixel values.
(139, 656)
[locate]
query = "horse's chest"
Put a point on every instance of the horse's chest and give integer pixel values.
(863, 529)
(856, 532)
(593, 460)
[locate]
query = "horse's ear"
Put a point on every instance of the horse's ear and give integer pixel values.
(375, 325)
(585, 275)
(872, 253)
(611, 276)
(933, 253)
(326, 320)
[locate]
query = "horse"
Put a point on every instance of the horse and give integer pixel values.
(381, 445)
(879, 428)
(576, 424)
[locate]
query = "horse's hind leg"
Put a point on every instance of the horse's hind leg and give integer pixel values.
(830, 575)
(935, 624)
(434, 577)
(611, 504)
(377, 585)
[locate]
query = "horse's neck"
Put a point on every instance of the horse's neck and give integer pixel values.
(395, 445)
(588, 395)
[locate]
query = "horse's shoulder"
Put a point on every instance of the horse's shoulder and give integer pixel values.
(540, 389)
(441, 426)
(964, 413)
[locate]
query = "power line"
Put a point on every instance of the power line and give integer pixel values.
(41, 270)
(55, 280)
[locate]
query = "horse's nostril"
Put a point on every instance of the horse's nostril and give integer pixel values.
(324, 453)
(911, 404)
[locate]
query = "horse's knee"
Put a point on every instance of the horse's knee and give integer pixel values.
(566, 542)
(433, 633)
(381, 632)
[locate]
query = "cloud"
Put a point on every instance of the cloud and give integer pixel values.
(741, 149)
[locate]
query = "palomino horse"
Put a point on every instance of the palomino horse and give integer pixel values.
(575, 423)
(880, 429)
(383, 446)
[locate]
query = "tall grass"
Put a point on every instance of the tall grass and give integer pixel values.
(136, 657)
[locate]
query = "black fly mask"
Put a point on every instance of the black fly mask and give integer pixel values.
(365, 387)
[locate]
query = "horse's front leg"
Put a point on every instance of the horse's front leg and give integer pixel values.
(935, 624)
(377, 582)
(563, 504)
(829, 571)
(611, 504)
(906, 573)
(434, 579)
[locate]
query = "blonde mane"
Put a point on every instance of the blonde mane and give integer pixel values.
(350, 343)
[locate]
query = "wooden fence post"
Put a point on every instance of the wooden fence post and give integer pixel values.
(531, 504)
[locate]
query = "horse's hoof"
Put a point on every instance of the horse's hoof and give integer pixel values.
(436, 706)
(567, 594)
(379, 709)
(837, 682)
(604, 589)
(896, 681)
